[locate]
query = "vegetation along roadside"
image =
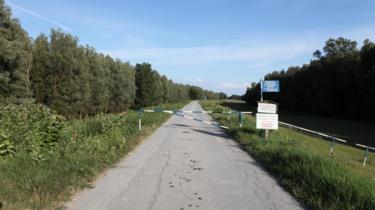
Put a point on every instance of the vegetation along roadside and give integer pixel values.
(44, 158)
(304, 167)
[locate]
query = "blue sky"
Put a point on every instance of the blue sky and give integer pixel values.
(221, 45)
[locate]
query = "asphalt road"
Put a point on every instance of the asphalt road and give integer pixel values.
(186, 164)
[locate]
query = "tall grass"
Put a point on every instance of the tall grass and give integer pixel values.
(304, 167)
(81, 150)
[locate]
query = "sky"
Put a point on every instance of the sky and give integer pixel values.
(220, 45)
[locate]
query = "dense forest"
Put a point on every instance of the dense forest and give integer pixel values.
(76, 80)
(338, 82)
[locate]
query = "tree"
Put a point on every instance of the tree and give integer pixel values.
(147, 85)
(15, 58)
(331, 85)
(75, 80)
(41, 69)
(196, 93)
(340, 47)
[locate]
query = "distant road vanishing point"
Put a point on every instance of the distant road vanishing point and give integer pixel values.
(186, 164)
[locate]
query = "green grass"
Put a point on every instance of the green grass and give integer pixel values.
(304, 167)
(351, 130)
(41, 175)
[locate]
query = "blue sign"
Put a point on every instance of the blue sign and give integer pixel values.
(271, 86)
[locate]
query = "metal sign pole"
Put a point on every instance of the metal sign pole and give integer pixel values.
(261, 99)
(261, 90)
(266, 132)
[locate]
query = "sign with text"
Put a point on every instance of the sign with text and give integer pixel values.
(267, 121)
(267, 108)
(271, 86)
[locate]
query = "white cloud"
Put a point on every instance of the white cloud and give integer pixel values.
(60, 25)
(234, 85)
(200, 80)
(194, 81)
(261, 53)
(252, 53)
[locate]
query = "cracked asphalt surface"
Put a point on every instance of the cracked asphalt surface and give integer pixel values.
(183, 165)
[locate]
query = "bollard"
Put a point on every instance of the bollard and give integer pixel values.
(332, 145)
(140, 119)
(228, 120)
(240, 118)
(366, 156)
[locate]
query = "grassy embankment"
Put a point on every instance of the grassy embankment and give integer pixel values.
(304, 167)
(44, 158)
(351, 130)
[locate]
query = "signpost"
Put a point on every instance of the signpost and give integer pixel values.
(267, 117)
(267, 121)
(267, 108)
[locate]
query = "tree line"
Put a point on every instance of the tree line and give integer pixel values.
(338, 82)
(76, 80)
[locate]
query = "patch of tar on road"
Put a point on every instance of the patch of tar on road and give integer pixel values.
(198, 169)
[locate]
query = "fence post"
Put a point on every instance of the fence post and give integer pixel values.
(228, 119)
(332, 145)
(240, 118)
(140, 119)
(366, 156)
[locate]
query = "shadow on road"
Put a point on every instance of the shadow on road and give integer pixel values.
(221, 134)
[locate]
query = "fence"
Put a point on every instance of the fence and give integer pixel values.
(179, 113)
(332, 138)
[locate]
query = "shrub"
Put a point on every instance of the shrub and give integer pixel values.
(29, 127)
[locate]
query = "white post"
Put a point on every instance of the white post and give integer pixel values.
(140, 124)
(366, 155)
(332, 145)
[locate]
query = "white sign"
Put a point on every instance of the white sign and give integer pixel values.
(267, 121)
(267, 108)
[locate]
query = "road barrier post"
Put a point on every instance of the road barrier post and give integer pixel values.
(228, 114)
(366, 156)
(228, 121)
(240, 118)
(140, 111)
(332, 145)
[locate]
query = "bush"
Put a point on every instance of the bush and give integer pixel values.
(30, 128)
(66, 155)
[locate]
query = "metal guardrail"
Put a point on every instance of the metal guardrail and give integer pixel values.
(313, 132)
(334, 139)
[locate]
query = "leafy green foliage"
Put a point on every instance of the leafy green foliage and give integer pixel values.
(15, 57)
(50, 157)
(338, 83)
(153, 89)
(29, 128)
(77, 81)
